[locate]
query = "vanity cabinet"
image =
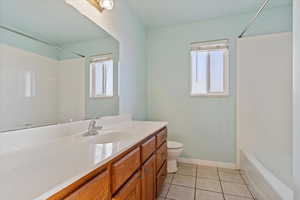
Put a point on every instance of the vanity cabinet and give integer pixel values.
(161, 137)
(161, 177)
(136, 174)
(161, 159)
(148, 147)
(149, 179)
(95, 189)
(161, 155)
(131, 190)
(124, 168)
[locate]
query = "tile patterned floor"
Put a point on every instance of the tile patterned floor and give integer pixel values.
(192, 182)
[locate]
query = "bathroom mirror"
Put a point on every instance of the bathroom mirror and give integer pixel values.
(56, 66)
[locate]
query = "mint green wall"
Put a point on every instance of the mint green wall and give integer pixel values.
(21, 42)
(296, 93)
(98, 107)
(205, 125)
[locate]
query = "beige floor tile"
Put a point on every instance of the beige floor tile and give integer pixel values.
(202, 167)
(169, 178)
(230, 177)
(187, 170)
(188, 181)
(181, 193)
(164, 190)
(160, 198)
(206, 195)
(180, 164)
(232, 171)
(208, 173)
(229, 197)
(208, 184)
(236, 189)
(245, 178)
(251, 189)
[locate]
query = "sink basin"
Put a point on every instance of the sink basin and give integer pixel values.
(109, 137)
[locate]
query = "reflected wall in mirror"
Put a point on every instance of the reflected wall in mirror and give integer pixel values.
(56, 66)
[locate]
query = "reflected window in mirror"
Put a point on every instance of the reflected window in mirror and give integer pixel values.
(101, 77)
(29, 80)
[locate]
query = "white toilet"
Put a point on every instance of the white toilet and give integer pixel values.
(174, 151)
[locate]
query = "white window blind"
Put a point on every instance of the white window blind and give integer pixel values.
(209, 68)
(101, 77)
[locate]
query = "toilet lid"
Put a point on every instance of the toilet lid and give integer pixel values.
(174, 145)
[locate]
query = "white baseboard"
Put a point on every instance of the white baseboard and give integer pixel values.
(262, 182)
(207, 163)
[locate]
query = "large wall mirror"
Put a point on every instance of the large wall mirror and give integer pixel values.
(56, 66)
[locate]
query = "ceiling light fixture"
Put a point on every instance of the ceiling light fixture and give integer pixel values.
(102, 4)
(107, 4)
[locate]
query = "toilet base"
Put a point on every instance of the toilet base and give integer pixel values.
(172, 166)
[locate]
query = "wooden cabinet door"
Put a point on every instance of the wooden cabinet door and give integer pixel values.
(96, 189)
(131, 190)
(149, 179)
(161, 137)
(161, 156)
(161, 177)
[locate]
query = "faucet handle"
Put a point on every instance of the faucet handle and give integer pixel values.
(92, 124)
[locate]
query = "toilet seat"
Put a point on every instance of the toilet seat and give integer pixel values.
(174, 145)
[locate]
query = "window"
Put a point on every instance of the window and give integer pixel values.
(209, 73)
(101, 77)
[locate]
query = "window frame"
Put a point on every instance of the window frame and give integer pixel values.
(95, 59)
(207, 47)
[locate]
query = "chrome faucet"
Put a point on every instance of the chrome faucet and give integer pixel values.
(93, 129)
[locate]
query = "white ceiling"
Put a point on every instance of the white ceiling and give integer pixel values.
(157, 13)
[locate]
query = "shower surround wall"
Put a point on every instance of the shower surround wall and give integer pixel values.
(34, 89)
(264, 113)
(27, 88)
(71, 89)
(296, 96)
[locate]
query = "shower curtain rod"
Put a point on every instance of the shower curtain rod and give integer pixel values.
(259, 12)
(38, 40)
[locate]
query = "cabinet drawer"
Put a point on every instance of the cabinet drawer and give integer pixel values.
(148, 148)
(96, 189)
(161, 156)
(161, 177)
(131, 190)
(161, 137)
(124, 168)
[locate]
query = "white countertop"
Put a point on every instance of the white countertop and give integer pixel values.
(38, 172)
